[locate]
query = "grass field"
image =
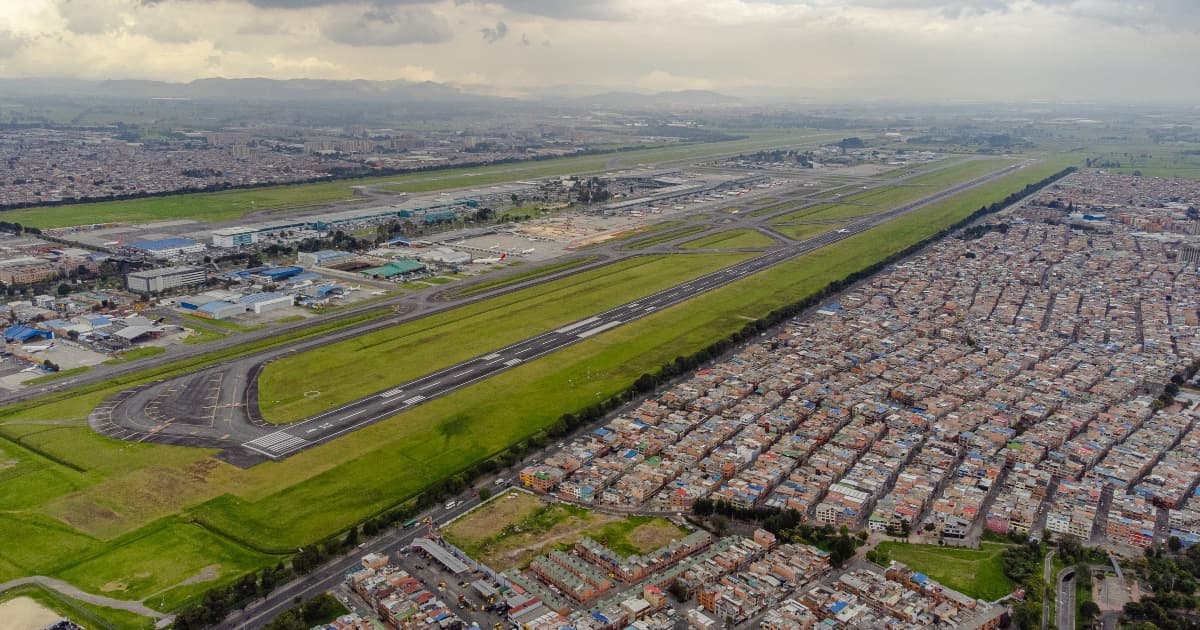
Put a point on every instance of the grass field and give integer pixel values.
(73, 497)
(377, 361)
(802, 231)
(229, 205)
(731, 240)
(828, 211)
(977, 573)
(135, 354)
(201, 335)
(510, 532)
(83, 614)
(664, 237)
(538, 272)
(224, 323)
(54, 376)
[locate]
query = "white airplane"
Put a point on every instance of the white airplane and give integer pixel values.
(32, 368)
(353, 288)
(526, 252)
(491, 261)
(843, 231)
(33, 349)
(379, 293)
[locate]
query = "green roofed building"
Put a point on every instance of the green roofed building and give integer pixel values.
(393, 269)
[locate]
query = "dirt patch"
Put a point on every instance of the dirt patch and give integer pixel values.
(81, 513)
(111, 587)
(520, 550)
(24, 613)
(8, 463)
(207, 574)
(654, 535)
(491, 519)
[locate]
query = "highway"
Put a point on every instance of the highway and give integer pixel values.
(218, 407)
(1064, 615)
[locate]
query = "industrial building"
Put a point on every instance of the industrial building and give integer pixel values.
(394, 269)
(220, 310)
(323, 257)
(158, 280)
(234, 237)
(445, 256)
(167, 248)
(267, 302)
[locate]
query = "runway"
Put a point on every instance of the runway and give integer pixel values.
(217, 407)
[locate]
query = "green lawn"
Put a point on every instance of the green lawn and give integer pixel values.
(225, 323)
(81, 499)
(977, 573)
(525, 275)
(665, 237)
(136, 353)
(83, 614)
(377, 361)
(828, 211)
(201, 335)
(730, 240)
(804, 231)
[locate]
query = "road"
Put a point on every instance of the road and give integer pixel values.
(1046, 591)
(333, 572)
(218, 407)
(1065, 601)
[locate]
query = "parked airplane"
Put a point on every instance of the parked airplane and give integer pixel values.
(491, 261)
(526, 252)
(379, 293)
(353, 288)
(32, 368)
(33, 349)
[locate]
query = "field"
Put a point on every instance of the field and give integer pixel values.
(977, 573)
(511, 530)
(665, 237)
(731, 240)
(74, 498)
(1153, 161)
(135, 354)
(377, 361)
(525, 275)
(803, 231)
(26, 599)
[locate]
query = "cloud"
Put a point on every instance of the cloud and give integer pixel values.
(558, 9)
(1175, 15)
(10, 44)
(493, 34)
(93, 17)
(389, 26)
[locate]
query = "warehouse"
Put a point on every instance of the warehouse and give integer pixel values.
(266, 302)
(156, 280)
(394, 269)
(323, 257)
(220, 310)
(234, 237)
(445, 255)
(166, 248)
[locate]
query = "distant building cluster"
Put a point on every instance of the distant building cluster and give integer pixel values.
(48, 165)
(1007, 380)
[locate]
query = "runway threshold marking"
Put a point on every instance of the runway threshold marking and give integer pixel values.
(599, 329)
(276, 443)
(392, 392)
(580, 324)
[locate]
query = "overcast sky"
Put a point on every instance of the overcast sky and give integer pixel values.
(929, 49)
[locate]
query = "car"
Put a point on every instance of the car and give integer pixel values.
(451, 505)
(499, 482)
(562, 445)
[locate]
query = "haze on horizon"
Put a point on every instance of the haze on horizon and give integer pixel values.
(1067, 50)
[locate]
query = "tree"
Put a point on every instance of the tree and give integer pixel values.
(1088, 611)
(64, 289)
(485, 494)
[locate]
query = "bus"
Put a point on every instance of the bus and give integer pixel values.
(410, 523)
